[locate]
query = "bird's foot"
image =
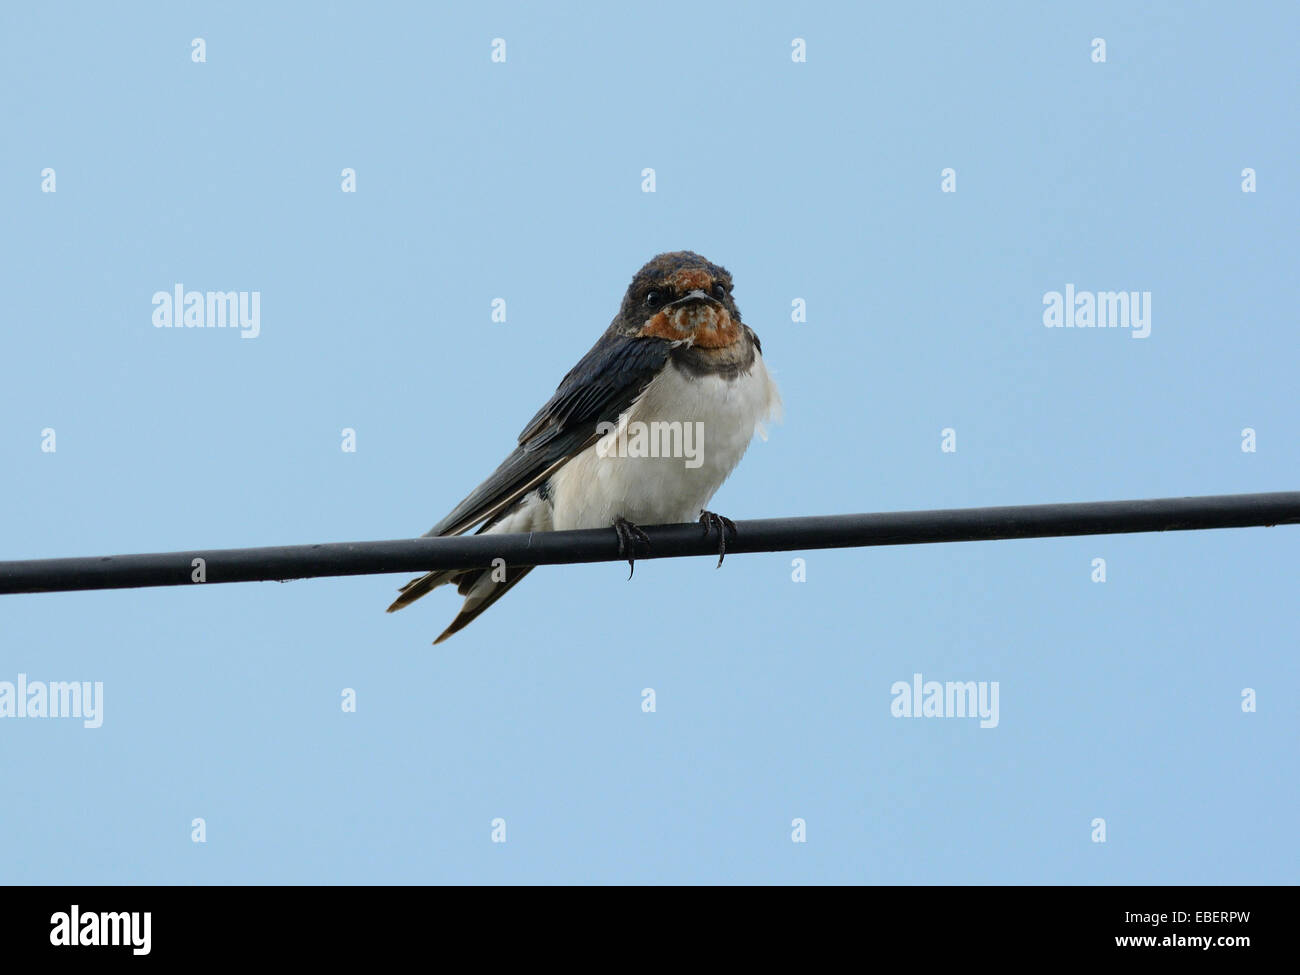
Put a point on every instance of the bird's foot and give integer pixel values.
(713, 522)
(629, 536)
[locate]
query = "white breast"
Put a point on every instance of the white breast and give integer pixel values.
(605, 482)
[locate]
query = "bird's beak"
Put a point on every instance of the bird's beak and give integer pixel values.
(696, 297)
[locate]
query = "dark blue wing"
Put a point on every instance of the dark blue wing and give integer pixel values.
(598, 389)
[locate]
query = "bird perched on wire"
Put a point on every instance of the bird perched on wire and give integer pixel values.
(642, 431)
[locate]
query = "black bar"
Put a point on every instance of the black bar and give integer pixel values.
(241, 925)
(666, 541)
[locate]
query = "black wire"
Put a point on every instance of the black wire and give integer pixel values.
(666, 541)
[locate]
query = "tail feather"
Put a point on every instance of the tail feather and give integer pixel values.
(478, 586)
(422, 586)
(480, 593)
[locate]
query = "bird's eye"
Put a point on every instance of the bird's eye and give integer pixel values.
(654, 299)
(719, 291)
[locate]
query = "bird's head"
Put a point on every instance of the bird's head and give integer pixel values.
(681, 296)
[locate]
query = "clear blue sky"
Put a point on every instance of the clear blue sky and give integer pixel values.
(522, 180)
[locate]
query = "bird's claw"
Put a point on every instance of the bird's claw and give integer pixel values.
(629, 536)
(722, 525)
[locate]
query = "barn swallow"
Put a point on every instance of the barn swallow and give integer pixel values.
(676, 353)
